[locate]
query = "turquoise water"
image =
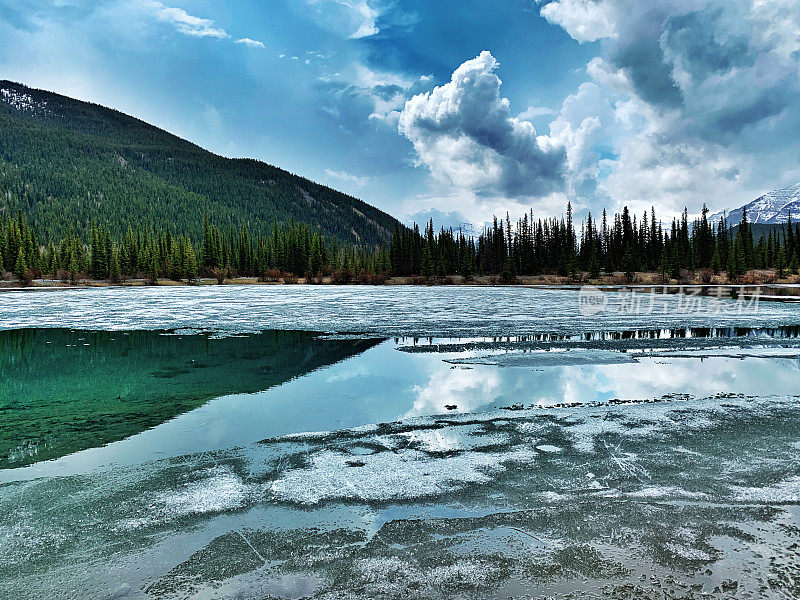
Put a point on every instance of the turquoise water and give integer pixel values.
(644, 461)
(63, 391)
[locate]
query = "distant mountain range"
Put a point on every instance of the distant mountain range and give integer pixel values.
(773, 208)
(64, 162)
(469, 229)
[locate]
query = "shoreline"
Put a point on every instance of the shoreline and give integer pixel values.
(782, 291)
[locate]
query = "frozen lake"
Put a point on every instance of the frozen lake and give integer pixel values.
(394, 311)
(355, 442)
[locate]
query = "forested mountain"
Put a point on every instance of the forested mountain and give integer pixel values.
(89, 191)
(65, 163)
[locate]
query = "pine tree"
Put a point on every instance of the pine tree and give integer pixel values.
(745, 238)
(664, 266)
(73, 267)
(594, 266)
(629, 264)
(114, 270)
(716, 261)
(95, 270)
(468, 270)
(781, 262)
(21, 267)
(427, 262)
(152, 266)
(736, 260)
(190, 264)
(508, 274)
(793, 266)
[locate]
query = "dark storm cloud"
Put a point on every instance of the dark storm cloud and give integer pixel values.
(693, 37)
(769, 103)
(651, 76)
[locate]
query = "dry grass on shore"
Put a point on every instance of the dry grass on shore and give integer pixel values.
(756, 277)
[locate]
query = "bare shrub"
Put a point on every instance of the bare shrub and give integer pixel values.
(618, 279)
(768, 278)
(26, 277)
(341, 276)
(368, 278)
(218, 274)
(758, 278)
(508, 279)
(272, 275)
(380, 278)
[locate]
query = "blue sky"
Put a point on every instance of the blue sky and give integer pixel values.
(451, 109)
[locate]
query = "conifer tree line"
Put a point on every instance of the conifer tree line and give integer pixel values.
(622, 243)
(289, 251)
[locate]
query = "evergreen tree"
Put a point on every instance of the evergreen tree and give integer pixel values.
(629, 264)
(468, 269)
(594, 267)
(21, 266)
(114, 271)
(736, 260)
(781, 262)
(190, 265)
(152, 266)
(508, 274)
(664, 265)
(73, 267)
(427, 262)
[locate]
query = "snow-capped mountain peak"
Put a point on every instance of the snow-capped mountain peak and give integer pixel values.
(769, 209)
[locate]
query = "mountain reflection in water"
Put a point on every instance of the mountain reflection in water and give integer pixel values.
(64, 390)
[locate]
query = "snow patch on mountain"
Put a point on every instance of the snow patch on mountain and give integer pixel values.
(22, 101)
(769, 209)
(469, 229)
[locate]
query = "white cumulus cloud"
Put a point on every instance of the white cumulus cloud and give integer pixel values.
(464, 134)
(691, 101)
(584, 20)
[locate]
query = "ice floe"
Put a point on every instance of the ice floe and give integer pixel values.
(391, 476)
(786, 491)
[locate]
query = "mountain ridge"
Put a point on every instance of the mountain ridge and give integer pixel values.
(64, 162)
(772, 208)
